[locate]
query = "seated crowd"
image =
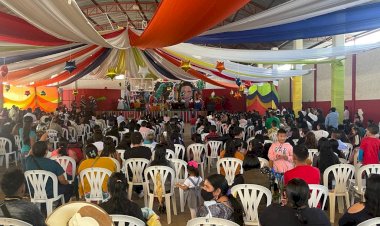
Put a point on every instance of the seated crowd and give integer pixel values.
(278, 140)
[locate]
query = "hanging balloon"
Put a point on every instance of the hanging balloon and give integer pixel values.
(70, 66)
(27, 93)
(232, 92)
(4, 70)
(241, 88)
(185, 65)
(220, 66)
(212, 94)
(111, 73)
(7, 87)
(238, 81)
(43, 93)
(75, 92)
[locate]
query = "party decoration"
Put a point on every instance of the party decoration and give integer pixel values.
(27, 93)
(7, 87)
(75, 92)
(111, 73)
(241, 88)
(43, 93)
(4, 70)
(237, 95)
(220, 66)
(238, 81)
(70, 66)
(185, 65)
(200, 84)
(143, 71)
(261, 97)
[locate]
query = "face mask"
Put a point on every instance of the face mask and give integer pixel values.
(207, 196)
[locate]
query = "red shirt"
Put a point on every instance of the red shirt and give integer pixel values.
(370, 147)
(309, 174)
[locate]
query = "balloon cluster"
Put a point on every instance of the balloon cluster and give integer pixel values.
(4, 70)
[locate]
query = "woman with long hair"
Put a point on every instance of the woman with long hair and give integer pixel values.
(109, 149)
(28, 138)
(310, 140)
(160, 156)
(119, 202)
(296, 211)
(217, 201)
(363, 211)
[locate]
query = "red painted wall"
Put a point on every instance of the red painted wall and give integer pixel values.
(369, 107)
(231, 104)
(110, 104)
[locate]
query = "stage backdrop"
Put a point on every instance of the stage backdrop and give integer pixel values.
(262, 97)
(29, 97)
(229, 103)
(106, 98)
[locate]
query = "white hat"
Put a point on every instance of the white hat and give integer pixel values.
(79, 214)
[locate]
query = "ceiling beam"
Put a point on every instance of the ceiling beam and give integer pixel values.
(101, 9)
(141, 11)
(257, 5)
(93, 21)
(129, 19)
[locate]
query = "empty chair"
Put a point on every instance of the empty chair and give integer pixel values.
(263, 162)
(123, 220)
(250, 196)
(181, 174)
(12, 222)
(317, 192)
(65, 133)
(230, 167)
(95, 177)
(115, 140)
(342, 173)
(37, 181)
(6, 151)
(134, 169)
(161, 175)
(179, 151)
(198, 153)
(371, 222)
(205, 221)
(68, 164)
(72, 133)
(312, 152)
(213, 149)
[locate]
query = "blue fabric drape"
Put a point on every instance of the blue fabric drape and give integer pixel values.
(361, 18)
(159, 68)
(98, 61)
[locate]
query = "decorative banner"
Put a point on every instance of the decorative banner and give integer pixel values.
(297, 94)
(260, 98)
(220, 66)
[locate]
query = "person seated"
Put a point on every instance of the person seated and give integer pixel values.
(302, 170)
(295, 211)
(93, 160)
(310, 140)
(281, 153)
(37, 161)
(13, 187)
(125, 142)
(218, 203)
(325, 159)
(272, 132)
(233, 150)
(144, 128)
(363, 211)
(63, 150)
(109, 150)
(335, 135)
(137, 150)
(114, 130)
(119, 202)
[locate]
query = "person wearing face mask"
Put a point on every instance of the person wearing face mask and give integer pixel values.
(217, 203)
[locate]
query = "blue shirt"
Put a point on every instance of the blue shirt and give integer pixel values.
(332, 119)
(45, 164)
(26, 147)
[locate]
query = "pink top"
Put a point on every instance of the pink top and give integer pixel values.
(69, 169)
(276, 151)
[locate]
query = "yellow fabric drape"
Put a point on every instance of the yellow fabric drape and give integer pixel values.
(337, 87)
(297, 94)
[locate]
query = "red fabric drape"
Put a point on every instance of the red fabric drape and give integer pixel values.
(13, 75)
(65, 75)
(178, 21)
(195, 73)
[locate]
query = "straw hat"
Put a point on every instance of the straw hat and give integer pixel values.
(79, 214)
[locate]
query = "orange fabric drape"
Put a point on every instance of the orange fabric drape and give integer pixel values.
(179, 20)
(197, 74)
(65, 75)
(13, 75)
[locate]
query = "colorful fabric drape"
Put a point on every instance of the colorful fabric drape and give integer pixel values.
(160, 69)
(260, 98)
(350, 20)
(16, 96)
(297, 94)
(178, 21)
(337, 87)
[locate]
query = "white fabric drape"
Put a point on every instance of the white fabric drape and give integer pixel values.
(62, 20)
(291, 11)
(152, 68)
(267, 56)
(101, 71)
(10, 53)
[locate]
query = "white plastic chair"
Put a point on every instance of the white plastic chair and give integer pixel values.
(312, 153)
(13, 222)
(6, 152)
(95, 177)
(181, 174)
(72, 133)
(81, 133)
(37, 180)
(124, 220)
(203, 136)
(18, 141)
(136, 166)
(213, 147)
(250, 196)
(199, 154)
(371, 222)
(117, 164)
(258, 132)
(145, 134)
(179, 151)
(205, 221)
(263, 162)
(230, 166)
(87, 130)
(250, 131)
(64, 162)
(250, 140)
(342, 174)
(295, 141)
(166, 173)
(115, 140)
(268, 141)
(65, 133)
(316, 192)
(347, 151)
(53, 137)
(170, 154)
(343, 161)
(365, 171)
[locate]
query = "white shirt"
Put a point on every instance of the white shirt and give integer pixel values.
(120, 119)
(189, 184)
(346, 114)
